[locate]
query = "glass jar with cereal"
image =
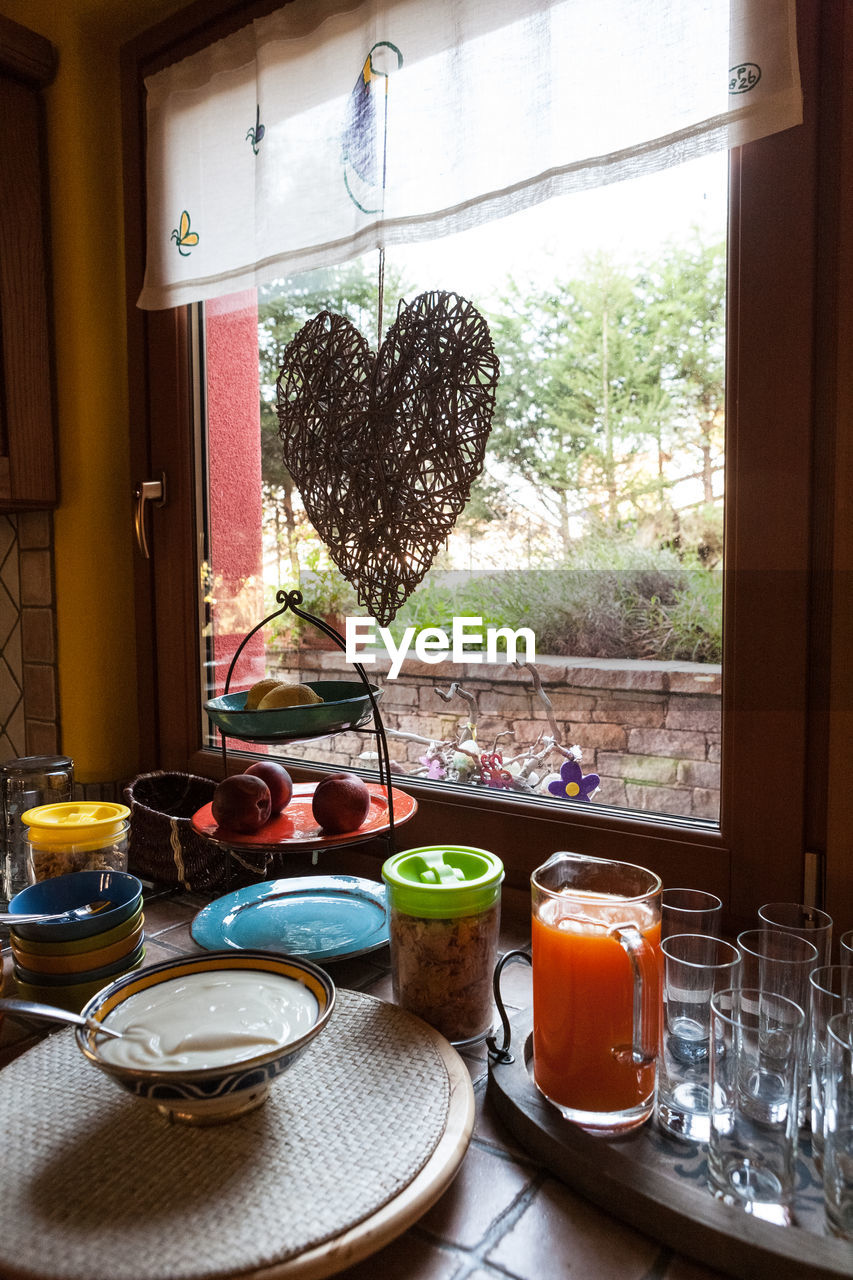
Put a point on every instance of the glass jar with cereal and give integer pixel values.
(444, 922)
(85, 836)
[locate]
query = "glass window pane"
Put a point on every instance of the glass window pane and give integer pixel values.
(595, 527)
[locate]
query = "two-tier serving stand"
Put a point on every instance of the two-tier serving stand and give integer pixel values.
(360, 715)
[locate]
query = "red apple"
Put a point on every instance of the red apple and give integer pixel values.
(341, 803)
(277, 779)
(242, 803)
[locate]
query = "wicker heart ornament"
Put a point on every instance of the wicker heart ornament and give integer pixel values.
(384, 447)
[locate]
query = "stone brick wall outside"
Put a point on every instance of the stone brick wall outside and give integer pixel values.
(651, 730)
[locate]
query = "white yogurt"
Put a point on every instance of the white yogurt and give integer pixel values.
(208, 1020)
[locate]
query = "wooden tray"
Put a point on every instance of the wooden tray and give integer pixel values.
(657, 1185)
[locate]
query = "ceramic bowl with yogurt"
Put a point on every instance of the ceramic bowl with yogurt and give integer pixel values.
(204, 1037)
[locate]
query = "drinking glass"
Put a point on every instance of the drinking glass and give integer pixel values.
(806, 922)
(780, 963)
(596, 989)
(754, 1089)
(689, 911)
(695, 966)
(838, 1127)
(831, 992)
(845, 945)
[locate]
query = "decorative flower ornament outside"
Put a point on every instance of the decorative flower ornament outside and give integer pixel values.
(573, 784)
(433, 766)
(384, 447)
(492, 771)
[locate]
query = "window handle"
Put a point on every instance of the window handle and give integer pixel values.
(153, 491)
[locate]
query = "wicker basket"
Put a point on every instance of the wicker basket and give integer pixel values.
(163, 845)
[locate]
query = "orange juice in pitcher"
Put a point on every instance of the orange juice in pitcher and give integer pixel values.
(596, 989)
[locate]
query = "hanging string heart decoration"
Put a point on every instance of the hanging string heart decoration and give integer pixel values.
(384, 447)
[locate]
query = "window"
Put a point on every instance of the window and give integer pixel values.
(782, 673)
(593, 537)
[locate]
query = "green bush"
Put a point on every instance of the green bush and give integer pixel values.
(615, 600)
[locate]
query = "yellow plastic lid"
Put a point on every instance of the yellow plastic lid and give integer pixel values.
(81, 825)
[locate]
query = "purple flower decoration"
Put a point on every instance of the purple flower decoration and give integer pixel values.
(573, 785)
(435, 769)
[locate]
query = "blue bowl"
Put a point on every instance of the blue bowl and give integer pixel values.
(211, 1094)
(64, 893)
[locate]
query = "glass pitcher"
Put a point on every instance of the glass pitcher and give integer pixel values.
(596, 989)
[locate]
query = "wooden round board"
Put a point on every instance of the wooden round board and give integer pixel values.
(354, 1143)
(411, 1204)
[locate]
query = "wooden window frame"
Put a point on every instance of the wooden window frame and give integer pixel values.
(786, 744)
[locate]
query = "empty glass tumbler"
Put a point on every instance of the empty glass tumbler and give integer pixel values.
(845, 947)
(695, 967)
(838, 1127)
(690, 911)
(831, 993)
(775, 961)
(755, 1070)
(806, 922)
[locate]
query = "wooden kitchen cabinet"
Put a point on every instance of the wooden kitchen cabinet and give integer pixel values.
(28, 455)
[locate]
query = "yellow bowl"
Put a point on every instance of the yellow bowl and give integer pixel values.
(78, 946)
(79, 961)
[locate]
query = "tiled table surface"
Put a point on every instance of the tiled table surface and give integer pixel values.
(503, 1216)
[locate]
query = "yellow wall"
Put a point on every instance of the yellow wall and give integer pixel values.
(93, 524)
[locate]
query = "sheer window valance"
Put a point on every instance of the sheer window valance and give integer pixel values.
(327, 128)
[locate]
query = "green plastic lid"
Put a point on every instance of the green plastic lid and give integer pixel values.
(443, 881)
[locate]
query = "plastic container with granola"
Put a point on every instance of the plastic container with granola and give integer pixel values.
(444, 922)
(85, 836)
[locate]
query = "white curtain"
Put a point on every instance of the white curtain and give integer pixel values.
(330, 128)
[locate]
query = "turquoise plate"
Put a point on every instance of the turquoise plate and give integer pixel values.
(311, 917)
(346, 705)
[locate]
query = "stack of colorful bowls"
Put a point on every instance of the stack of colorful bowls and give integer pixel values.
(67, 962)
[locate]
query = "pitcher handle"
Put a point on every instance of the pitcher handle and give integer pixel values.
(644, 963)
(501, 1053)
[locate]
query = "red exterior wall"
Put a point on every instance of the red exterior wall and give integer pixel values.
(234, 483)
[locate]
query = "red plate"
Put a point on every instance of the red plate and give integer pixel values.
(296, 828)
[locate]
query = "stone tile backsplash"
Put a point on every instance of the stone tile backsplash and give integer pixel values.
(29, 700)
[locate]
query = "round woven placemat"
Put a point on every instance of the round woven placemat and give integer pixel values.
(97, 1186)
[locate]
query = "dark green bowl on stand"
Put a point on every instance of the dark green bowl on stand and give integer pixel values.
(346, 705)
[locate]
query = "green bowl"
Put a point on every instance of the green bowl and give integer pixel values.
(76, 962)
(346, 705)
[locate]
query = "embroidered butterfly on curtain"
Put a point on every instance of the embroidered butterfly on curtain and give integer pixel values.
(183, 237)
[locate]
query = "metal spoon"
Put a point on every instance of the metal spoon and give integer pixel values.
(50, 1012)
(79, 913)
